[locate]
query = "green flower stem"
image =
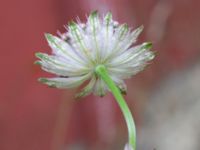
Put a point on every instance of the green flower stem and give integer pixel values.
(102, 72)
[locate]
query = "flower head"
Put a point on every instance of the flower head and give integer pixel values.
(99, 41)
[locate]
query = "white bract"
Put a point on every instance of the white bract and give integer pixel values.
(100, 41)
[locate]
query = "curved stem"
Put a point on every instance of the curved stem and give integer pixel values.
(102, 72)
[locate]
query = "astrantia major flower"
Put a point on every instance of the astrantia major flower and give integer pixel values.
(99, 41)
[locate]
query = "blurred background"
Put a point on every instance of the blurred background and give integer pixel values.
(165, 98)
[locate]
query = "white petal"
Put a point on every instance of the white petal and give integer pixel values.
(94, 28)
(53, 65)
(119, 35)
(105, 35)
(133, 54)
(93, 23)
(100, 88)
(57, 70)
(126, 41)
(63, 49)
(126, 72)
(131, 62)
(79, 41)
(88, 88)
(132, 37)
(64, 82)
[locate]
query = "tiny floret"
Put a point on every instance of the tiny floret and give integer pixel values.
(100, 41)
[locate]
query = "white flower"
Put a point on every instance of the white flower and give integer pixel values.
(100, 41)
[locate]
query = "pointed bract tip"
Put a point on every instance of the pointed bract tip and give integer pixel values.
(147, 45)
(124, 92)
(108, 16)
(102, 95)
(38, 55)
(79, 96)
(37, 62)
(141, 27)
(83, 93)
(94, 13)
(72, 25)
(48, 35)
(138, 30)
(125, 25)
(43, 80)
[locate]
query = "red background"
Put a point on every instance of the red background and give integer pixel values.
(35, 117)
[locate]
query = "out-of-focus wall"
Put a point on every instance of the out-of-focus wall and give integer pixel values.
(33, 116)
(171, 119)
